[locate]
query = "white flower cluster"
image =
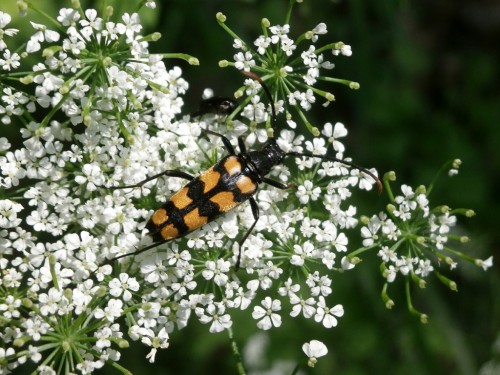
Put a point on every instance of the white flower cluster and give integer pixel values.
(275, 60)
(114, 119)
(412, 239)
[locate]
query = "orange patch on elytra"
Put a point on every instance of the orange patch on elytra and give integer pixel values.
(159, 217)
(246, 185)
(210, 179)
(225, 200)
(180, 199)
(169, 231)
(232, 165)
(193, 220)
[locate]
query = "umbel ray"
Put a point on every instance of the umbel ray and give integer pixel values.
(231, 181)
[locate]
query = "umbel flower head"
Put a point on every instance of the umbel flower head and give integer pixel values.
(98, 111)
(289, 68)
(414, 239)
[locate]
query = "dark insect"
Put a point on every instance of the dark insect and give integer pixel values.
(216, 105)
(231, 181)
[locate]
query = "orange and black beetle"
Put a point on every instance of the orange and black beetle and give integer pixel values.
(231, 181)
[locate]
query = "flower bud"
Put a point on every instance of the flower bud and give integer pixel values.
(421, 190)
(223, 64)
(456, 163)
(470, 213)
(220, 17)
(354, 85)
(330, 97)
(390, 176)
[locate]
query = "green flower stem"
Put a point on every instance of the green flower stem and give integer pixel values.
(389, 303)
(421, 283)
(183, 56)
(460, 254)
(423, 317)
(56, 108)
(46, 16)
(222, 24)
(49, 357)
(461, 239)
(388, 177)
(296, 370)
(361, 250)
(11, 76)
(238, 109)
(444, 167)
(345, 82)
(53, 274)
(314, 89)
(467, 212)
(330, 46)
(312, 129)
(236, 352)
(289, 11)
(122, 369)
(446, 281)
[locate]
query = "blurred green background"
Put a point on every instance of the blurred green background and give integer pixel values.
(429, 93)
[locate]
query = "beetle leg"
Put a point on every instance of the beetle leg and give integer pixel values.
(229, 147)
(241, 145)
(276, 184)
(137, 252)
(170, 173)
(255, 213)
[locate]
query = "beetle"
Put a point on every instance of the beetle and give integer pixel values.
(215, 105)
(231, 181)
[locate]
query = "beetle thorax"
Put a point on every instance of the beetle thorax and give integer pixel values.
(266, 158)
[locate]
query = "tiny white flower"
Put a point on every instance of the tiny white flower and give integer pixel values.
(262, 43)
(215, 314)
(300, 305)
(328, 316)
(92, 176)
(333, 133)
(156, 341)
(346, 263)
(267, 314)
(113, 310)
(424, 267)
(320, 29)
(307, 191)
(10, 60)
(42, 34)
(217, 271)
(68, 16)
(390, 273)
(5, 19)
(244, 61)
(279, 32)
(123, 284)
(485, 264)
(314, 349)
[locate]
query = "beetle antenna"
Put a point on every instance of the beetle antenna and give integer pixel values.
(299, 154)
(345, 162)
